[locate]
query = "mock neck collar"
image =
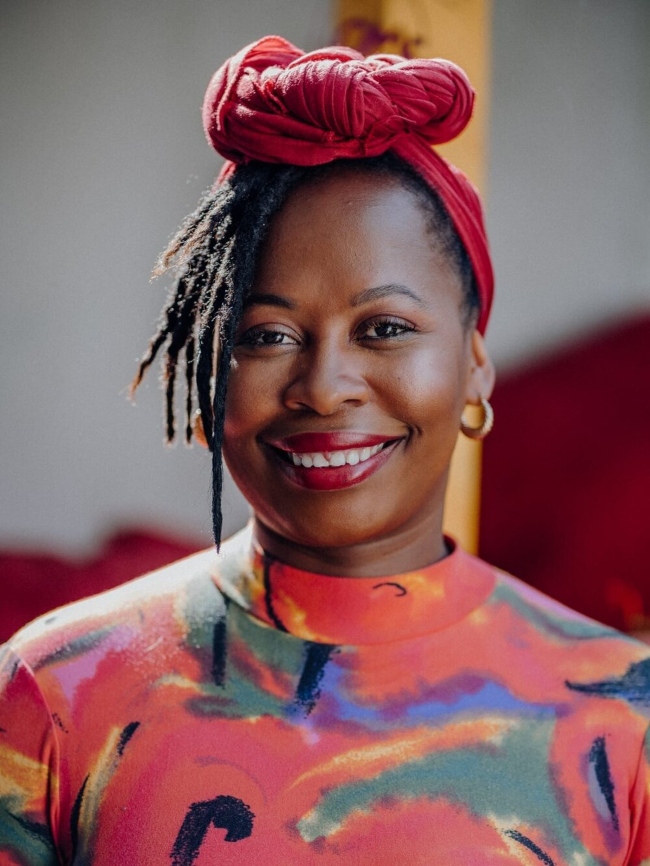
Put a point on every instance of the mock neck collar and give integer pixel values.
(351, 610)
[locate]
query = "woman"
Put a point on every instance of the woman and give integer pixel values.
(340, 683)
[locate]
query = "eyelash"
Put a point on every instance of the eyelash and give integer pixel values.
(388, 321)
(254, 337)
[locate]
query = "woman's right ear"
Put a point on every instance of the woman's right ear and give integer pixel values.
(198, 433)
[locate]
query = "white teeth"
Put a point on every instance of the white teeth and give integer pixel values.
(320, 459)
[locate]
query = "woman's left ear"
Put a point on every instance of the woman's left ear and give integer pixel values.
(480, 383)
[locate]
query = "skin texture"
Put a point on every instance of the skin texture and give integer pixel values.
(314, 355)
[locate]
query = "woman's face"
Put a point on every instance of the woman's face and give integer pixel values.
(351, 369)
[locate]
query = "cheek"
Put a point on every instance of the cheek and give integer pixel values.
(425, 388)
(251, 405)
(248, 394)
(244, 415)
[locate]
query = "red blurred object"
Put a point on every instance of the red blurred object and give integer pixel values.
(34, 583)
(566, 489)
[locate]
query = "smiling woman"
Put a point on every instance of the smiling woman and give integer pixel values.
(340, 682)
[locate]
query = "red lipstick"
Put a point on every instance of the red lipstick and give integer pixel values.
(326, 444)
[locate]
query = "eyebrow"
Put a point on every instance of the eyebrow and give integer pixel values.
(269, 300)
(379, 292)
(366, 296)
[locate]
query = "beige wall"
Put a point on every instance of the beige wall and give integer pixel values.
(103, 153)
(569, 202)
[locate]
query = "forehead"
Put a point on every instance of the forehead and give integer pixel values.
(350, 195)
(350, 227)
(348, 207)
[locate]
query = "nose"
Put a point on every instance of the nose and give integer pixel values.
(328, 378)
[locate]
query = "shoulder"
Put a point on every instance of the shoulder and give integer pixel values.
(549, 615)
(157, 604)
(104, 653)
(591, 659)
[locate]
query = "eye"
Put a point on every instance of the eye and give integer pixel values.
(385, 328)
(259, 338)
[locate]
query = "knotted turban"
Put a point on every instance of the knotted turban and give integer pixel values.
(274, 103)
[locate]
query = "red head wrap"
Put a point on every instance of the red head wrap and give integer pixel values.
(273, 103)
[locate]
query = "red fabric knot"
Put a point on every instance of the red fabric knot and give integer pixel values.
(272, 102)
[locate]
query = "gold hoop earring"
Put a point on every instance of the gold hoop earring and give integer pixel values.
(486, 425)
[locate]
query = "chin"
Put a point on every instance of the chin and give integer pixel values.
(331, 525)
(329, 537)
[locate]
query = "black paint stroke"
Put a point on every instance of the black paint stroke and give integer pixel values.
(219, 649)
(275, 619)
(308, 688)
(634, 685)
(74, 819)
(401, 590)
(76, 647)
(598, 758)
(58, 721)
(228, 813)
(38, 831)
(126, 735)
(528, 843)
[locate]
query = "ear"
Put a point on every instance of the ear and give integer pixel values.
(198, 433)
(480, 382)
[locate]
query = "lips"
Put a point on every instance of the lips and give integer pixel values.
(331, 460)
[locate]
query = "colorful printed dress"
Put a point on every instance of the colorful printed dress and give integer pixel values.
(230, 709)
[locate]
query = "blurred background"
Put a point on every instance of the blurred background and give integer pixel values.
(103, 154)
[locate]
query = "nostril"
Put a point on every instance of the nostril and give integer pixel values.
(325, 398)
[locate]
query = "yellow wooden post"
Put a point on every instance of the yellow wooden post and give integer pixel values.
(458, 30)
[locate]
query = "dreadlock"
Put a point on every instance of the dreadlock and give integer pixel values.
(215, 253)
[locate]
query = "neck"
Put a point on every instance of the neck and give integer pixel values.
(407, 549)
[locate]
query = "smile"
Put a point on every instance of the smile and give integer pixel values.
(331, 461)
